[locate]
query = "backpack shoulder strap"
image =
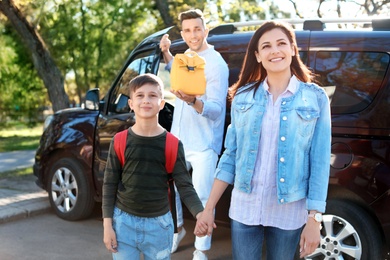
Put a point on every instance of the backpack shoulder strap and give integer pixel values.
(171, 147)
(120, 140)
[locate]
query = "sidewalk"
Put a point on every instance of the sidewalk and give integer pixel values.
(20, 197)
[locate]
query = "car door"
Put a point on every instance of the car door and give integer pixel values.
(115, 113)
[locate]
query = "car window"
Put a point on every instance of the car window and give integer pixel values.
(351, 79)
(142, 63)
(165, 77)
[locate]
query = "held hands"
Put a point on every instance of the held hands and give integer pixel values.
(310, 238)
(204, 224)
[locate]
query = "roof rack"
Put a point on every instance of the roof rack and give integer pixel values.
(377, 24)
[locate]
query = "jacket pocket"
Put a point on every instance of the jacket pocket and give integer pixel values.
(308, 118)
(242, 113)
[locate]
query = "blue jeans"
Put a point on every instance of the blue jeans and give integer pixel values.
(247, 242)
(135, 235)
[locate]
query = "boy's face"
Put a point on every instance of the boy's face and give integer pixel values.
(146, 101)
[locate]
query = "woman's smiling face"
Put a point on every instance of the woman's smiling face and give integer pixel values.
(275, 51)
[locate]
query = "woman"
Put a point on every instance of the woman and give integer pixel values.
(277, 152)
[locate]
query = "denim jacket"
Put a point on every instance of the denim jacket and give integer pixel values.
(303, 147)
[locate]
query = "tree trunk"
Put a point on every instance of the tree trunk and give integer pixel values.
(42, 60)
(162, 6)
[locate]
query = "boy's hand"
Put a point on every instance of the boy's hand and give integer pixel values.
(204, 224)
(110, 240)
(109, 236)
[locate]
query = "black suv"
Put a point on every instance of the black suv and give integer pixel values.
(352, 66)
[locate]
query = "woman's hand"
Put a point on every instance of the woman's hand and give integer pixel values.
(310, 238)
(205, 223)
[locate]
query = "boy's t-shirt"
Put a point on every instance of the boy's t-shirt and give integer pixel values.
(144, 188)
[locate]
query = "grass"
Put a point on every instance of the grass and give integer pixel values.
(17, 173)
(20, 138)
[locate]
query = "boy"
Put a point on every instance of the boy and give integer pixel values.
(136, 216)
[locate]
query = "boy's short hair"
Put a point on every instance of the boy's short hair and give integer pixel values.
(192, 14)
(143, 79)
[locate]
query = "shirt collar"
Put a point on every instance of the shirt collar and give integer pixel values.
(292, 85)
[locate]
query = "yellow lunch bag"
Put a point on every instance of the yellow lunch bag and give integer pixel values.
(187, 73)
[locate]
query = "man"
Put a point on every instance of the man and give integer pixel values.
(199, 121)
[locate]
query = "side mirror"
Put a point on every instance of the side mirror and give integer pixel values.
(92, 99)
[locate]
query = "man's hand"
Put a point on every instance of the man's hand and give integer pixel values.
(183, 96)
(165, 43)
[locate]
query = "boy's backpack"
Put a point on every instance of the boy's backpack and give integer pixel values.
(171, 147)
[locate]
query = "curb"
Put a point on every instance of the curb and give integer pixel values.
(15, 205)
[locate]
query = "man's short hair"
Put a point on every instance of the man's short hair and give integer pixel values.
(192, 14)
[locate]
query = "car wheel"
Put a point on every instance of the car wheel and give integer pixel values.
(348, 232)
(70, 194)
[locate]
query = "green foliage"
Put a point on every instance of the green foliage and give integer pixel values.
(22, 90)
(90, 40)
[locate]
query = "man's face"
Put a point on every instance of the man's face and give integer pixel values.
(194, 34)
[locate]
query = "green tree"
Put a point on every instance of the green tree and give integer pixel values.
(41, 58)
(23, 93)
(91, 39)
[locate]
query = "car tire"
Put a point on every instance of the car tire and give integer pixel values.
(348, 232)
(70, 194)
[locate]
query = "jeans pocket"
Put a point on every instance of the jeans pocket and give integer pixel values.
(165, 221)
(117, 212)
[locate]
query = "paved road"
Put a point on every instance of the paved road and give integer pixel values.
(17, 159)
(47, 237)
(30, 230)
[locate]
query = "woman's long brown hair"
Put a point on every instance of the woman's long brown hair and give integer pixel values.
(253, 71)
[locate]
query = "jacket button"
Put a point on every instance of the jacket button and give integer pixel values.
(281, 179)
(284, 118)
(282, 159)
(282, 200)
(283, 138)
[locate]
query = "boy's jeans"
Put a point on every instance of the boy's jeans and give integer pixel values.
(247, 242)
(151, 236)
